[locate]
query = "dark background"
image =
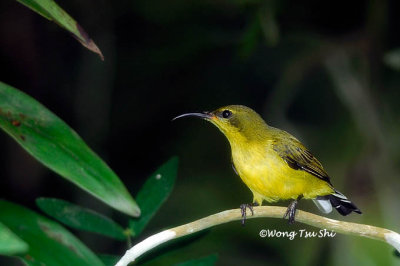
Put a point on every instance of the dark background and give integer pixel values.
(326, 71)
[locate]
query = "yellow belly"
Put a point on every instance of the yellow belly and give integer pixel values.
(270, 178)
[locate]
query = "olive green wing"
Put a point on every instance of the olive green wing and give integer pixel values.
(297, 156)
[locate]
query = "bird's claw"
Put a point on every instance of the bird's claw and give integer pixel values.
(291, 212)
(243, 210)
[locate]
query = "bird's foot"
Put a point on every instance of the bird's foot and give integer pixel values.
(291, 212)
(243, 209)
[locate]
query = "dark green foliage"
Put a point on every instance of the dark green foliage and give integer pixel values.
(49, 243)
(50, 10)
(108, 260)
(81, 218)
(154, 192)
(10, 244)
(205, 261)
(51, 141)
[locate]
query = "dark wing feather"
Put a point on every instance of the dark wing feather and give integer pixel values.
(297, 156)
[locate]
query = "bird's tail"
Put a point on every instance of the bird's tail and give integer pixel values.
(337, 200)
(342, 204)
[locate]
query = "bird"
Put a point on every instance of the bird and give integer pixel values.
(274, 164)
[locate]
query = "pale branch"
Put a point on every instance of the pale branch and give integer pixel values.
(377, 233)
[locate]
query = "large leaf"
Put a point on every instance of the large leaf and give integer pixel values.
(49, 243)
(10, 244)
(50, 10)
(47, 138)
(80, 218)
(154, 192)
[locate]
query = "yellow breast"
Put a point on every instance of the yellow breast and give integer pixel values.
(270, 178)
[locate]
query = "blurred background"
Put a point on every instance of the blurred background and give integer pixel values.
(326, 71)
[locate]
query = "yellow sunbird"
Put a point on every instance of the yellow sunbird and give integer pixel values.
(273, 163)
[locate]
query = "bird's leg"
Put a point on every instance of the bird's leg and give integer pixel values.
(291, 210)
(243, 209)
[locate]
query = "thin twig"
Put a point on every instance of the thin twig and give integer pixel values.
(377, 233)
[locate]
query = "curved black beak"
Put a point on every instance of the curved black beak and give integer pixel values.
(204, 115)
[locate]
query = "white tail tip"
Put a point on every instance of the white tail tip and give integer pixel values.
(324, 205)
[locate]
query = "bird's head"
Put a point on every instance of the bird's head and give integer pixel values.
(237, 122)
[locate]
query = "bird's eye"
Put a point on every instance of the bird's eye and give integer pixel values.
(226, 114)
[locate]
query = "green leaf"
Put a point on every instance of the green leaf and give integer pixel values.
(50, 10)
(205, 261)
(80, 218)
(47, 138)
(49, 243)
(154, 192)
(10, 244)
